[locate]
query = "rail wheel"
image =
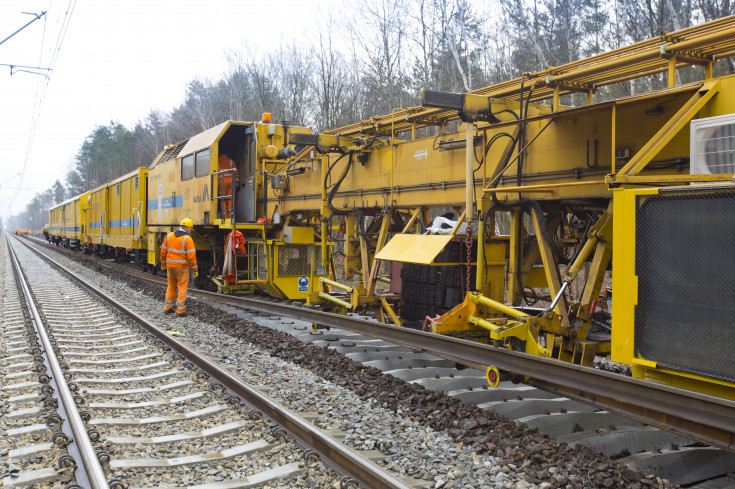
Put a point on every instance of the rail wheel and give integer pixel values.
(141, 259)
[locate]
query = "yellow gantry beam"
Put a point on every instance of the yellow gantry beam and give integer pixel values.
(699, 44)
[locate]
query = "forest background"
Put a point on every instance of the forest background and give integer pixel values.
(380, 58)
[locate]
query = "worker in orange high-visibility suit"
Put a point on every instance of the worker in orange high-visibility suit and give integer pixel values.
(177, 256)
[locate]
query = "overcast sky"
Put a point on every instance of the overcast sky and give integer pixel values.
(117, 60)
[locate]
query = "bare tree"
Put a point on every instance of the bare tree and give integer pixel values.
(381, 35)
(264, 95)
(425, 34)
(524, 26)
(199, 104)
(294, 73)
(328, 82)
(238, 85)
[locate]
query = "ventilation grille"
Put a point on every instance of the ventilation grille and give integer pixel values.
(685, 262)
(713, 145)
(172, 151)
(294, 260)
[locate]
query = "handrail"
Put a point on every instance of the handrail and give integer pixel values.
(230, 197)
(350, 290)
(140, 217)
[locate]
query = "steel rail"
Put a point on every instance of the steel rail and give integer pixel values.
(93, 470)
(706, 418)
(335, 454)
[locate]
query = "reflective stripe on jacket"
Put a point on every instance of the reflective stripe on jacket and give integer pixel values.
(178, 250)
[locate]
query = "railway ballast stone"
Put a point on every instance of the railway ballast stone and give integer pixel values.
(526, 452)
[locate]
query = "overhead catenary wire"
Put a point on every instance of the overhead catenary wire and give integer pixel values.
(40, 98)
(25, 69)
(35, 18)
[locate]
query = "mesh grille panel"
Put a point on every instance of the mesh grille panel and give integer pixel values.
(172, 152)
(294, 260)
(685, 262)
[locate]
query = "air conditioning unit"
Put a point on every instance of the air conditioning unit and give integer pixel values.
(712, 145)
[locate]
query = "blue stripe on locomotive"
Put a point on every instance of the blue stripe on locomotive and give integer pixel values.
(166, 203)
(117, 223)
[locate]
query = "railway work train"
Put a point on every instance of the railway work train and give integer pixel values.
(498, 215)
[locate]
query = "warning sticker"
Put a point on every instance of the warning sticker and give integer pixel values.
(303, 284)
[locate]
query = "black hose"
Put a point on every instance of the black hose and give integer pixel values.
(335, 186)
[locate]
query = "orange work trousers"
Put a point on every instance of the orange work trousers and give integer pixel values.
(178, 278)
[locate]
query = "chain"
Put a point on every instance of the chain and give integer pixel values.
(468, 248)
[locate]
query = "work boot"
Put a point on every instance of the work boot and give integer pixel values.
(168, 311)
(181, 314)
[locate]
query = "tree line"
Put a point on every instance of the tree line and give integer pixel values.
(376, 57)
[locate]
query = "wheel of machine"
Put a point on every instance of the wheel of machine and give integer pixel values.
(140, 259)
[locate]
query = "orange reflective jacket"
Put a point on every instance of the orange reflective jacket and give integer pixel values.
(178, 250)
(238, 243)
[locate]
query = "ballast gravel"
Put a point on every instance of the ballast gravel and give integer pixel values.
(421, 433)
(11, 374)
(217, 466)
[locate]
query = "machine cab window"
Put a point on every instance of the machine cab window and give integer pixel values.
(201, 166)
(187, 167)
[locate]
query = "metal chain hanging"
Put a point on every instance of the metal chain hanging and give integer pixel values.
(342, 226)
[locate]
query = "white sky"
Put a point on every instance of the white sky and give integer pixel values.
(119, 60)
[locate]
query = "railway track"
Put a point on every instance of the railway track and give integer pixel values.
(120, 408)
(571, 421)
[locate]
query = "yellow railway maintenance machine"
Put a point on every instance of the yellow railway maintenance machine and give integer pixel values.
(219, 179)
(68, 222)
(117, 218)
(544, 201)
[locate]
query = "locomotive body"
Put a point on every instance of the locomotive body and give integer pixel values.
(117, 218)
(68, 222)
(218, 179)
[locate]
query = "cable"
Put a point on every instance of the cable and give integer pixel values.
(35, 18)
(39, 100)
(333, 188)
